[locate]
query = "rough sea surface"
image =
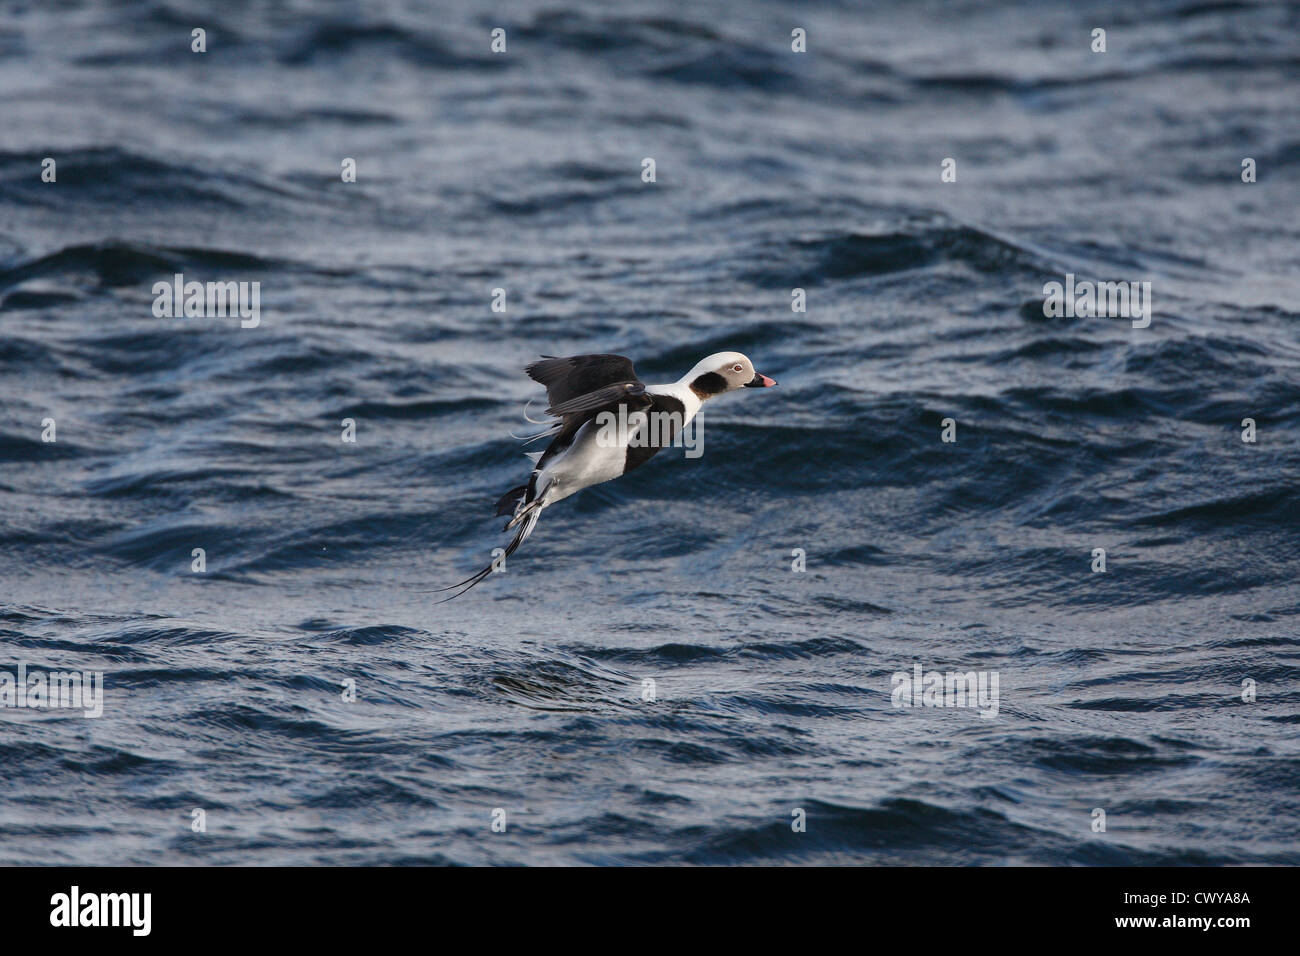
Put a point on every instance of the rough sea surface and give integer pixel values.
(1120, 691)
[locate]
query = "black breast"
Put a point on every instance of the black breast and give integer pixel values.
(667, 416)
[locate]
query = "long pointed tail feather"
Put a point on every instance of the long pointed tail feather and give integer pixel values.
(526, 528)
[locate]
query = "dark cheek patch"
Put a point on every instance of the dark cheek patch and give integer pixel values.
(710, 383)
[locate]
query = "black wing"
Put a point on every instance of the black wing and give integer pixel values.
(631, 394)
(569, 378)
(579, 388)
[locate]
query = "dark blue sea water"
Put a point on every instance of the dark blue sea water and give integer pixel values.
(1120, 691)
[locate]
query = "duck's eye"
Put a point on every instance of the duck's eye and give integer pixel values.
(737, 368)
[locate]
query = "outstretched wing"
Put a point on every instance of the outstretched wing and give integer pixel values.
(580, 387)
(567, 379)
(631, 394)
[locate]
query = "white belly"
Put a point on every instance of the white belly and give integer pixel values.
(592, 458)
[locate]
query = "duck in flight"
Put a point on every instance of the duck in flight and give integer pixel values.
(609, 422)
